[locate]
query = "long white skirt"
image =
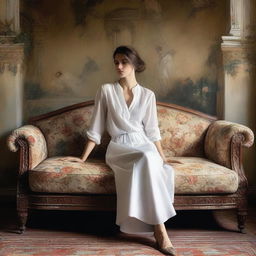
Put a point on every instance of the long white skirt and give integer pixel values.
(144, 183)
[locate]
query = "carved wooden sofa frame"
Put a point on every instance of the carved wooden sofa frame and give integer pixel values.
(26, 199)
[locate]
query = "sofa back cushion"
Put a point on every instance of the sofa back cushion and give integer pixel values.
(65, 131)
(182, 132)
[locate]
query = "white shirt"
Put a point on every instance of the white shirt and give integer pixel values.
(144, 183)
(112, 113)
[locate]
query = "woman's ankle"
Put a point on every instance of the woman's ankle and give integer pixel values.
(161, 235)
(159, 227)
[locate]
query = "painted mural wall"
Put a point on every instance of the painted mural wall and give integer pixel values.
(69, 46)
(68, 55)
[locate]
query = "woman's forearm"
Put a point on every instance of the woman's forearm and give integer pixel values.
(88, 149)
(159, 148)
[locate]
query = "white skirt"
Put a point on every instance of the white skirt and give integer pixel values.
(144, 183)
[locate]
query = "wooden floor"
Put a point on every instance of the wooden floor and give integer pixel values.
(193, 233)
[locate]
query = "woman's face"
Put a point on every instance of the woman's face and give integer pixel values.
(123, 67)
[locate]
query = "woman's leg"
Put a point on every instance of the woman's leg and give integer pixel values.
(161, 235)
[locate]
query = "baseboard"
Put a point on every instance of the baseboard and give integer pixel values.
(252, 195)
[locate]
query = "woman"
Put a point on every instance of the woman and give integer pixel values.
(144, 181)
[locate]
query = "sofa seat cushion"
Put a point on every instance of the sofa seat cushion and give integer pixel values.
(71, 175)
(201, 176)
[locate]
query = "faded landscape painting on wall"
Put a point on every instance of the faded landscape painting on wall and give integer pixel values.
(69, 46)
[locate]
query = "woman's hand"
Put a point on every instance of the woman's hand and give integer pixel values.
(74, 159)
(161, 152)
(173, 161)
(83, 158)
(164, 159)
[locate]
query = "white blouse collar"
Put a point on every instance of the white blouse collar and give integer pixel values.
(133, 88)
(121, 96)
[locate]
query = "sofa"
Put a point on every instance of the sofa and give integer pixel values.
(51, 175)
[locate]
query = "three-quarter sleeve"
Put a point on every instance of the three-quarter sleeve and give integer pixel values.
(150, 120)
(98, 119)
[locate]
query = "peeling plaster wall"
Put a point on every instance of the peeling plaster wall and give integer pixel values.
(10, 116)
(70, 48)
(239, 98)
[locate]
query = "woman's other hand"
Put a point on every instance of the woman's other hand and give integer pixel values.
(74, 159)
(172, 161)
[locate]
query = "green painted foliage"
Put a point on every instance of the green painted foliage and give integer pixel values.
(199, 95)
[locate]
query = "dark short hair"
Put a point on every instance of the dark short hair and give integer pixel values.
(132, 55)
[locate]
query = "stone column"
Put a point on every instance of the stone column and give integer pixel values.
(11, 84)
(9, 16)
(239, 62)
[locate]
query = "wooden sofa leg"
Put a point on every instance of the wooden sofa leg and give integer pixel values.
(22, 220)
(22, 212)
(241, 218)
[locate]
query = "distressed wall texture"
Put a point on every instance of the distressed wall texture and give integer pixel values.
(70, 45)
(68, 55)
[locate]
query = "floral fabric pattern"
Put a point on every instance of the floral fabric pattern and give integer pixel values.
(72, 175)
(200, 176)
(65, 133)
(182, 133)
(36, 143)
(218, 140)
(56, 143)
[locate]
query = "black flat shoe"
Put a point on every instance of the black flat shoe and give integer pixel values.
(169, 250)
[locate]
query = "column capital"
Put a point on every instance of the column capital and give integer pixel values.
(9, 17)
(11, 55)
(232, 42)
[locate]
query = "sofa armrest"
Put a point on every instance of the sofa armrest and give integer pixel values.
(32, 143)
(224, 140)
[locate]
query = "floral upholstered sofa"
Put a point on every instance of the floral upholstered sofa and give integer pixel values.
(52, 176)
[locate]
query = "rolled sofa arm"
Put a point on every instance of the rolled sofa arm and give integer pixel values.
(32, 142)
(224, 139)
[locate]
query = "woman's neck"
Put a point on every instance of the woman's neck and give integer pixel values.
(129, 83)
